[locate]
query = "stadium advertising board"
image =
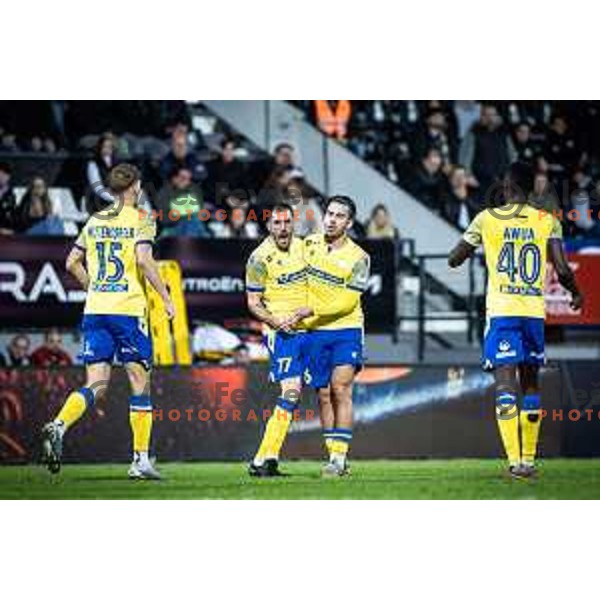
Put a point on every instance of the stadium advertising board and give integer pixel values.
(218, 413)
(35, 289)
(587, 272)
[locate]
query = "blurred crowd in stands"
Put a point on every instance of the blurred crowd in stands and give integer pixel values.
(448, 154)
(182, 173)
(51, 353)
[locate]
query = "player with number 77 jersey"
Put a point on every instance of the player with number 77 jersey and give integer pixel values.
(516, 239)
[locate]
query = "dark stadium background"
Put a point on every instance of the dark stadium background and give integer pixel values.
(419, 170)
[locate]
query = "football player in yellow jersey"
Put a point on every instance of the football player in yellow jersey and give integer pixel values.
(277, 296)
(338, 274)
(516, 240)
(110, 259)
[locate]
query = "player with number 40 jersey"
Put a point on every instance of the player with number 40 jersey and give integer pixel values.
(517, 239)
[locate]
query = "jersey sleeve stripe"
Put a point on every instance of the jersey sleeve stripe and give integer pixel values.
(255, 288)
(356, 288)
(79, 247)
(145, 242)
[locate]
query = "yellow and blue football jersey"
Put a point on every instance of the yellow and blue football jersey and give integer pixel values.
(109, 239)
(280, 275)
(514, 239)
(336, 280)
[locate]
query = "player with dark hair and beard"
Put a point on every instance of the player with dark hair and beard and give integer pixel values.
(338, 274)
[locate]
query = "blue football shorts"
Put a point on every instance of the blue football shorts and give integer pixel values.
(286, 354)
(106, 337)
(327, 349)
(513, 340)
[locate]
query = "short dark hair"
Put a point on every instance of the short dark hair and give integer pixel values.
(177, 169)
(122, 177)
(345, 201)
(226, 141)
(283, 146)
(280, 207)
(5, 168)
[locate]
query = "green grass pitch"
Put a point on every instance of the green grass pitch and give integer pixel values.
(385, 479)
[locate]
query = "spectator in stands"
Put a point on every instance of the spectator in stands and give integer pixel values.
(52, 353)
(283, 156)
(543, 195)
(274, 190)
(225, 172)
(487, 150)
(561, 150)
(236, 225)
(178, 203)
(8, 201)
(333, 117)
(587, 223)
(433, 135)
(380, 224)
(180, 156)
(460, 204)
(17, 352)
(527, 151)
(36, 144)
(97, 171)
(308, 216)
(36, 213)
(467, 113)
(8, 142)
(427, 180)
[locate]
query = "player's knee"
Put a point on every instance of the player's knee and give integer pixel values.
(506, 404)
(532, 405)
(89, 395)
(138, 378)
(324, 397)
(342, 391)
(291, 394)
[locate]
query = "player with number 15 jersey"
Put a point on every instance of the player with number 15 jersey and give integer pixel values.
(110, 259)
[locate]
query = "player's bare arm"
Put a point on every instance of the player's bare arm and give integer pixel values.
(460, 253)
(147, 264)
(75, 266)
(564, 272)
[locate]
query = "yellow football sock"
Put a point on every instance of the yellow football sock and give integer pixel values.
(507, 416)
(339, 449)
(275, 432)
(329, 446)
(530, 426)
(75, 406)
(141, 427)
(140, 419)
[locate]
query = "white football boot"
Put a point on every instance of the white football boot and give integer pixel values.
(142, 468)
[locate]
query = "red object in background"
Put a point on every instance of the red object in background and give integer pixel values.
(49, 357)
(587, 273)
